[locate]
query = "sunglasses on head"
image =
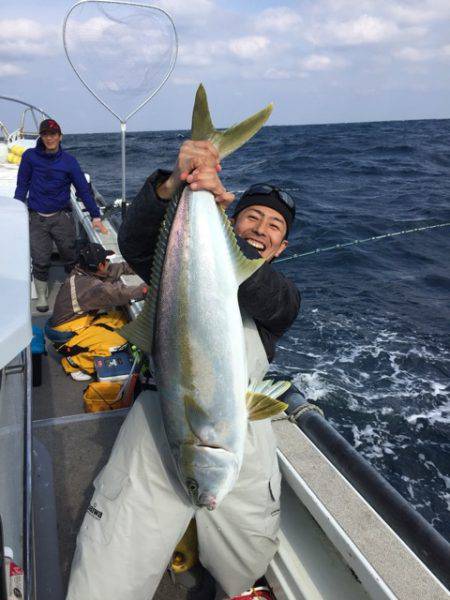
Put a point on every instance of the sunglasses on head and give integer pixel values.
(264, 189)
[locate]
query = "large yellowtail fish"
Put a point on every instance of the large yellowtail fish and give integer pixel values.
(191, 326)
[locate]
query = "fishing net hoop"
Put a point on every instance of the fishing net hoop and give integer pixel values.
(88, 87)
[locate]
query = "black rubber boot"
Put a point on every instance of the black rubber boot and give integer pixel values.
(204, 589)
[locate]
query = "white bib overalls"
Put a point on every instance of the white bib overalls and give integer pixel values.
(139, 511)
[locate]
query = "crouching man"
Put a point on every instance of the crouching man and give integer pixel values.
(85, 318)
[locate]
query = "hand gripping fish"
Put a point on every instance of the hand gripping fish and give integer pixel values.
(192, 327)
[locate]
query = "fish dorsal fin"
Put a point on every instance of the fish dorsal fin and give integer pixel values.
(262, 400)
(232, 138)
(140, 332)
(244, 267)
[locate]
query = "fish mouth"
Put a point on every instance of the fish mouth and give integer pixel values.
(212, 446)
(207, 500)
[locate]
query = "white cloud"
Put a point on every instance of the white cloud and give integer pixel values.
(274, 73)
(182, 80)
(188, 58)
(445, 51)
(25, 38)
(21, 29)
(422, 12)
(418, 55)
(8, 69)
(25, 49)
(320, 62)
(280, 20)
(365, 29)
(87, 31)
(201, 53)
(194, 9)
(411, 54)
(249, 47)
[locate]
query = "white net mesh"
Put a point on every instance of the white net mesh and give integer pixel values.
(122, 52)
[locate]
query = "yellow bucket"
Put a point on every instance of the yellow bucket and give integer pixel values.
(102, 395)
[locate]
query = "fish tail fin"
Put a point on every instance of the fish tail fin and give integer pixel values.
(262, 398)
(232, 138)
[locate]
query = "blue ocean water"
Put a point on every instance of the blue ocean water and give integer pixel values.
(372, 343)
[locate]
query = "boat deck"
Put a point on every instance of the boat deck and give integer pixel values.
(333, 544)
(70, 448)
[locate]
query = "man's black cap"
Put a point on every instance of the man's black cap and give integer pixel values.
(49, 126)
(265, 194)
(92, 255)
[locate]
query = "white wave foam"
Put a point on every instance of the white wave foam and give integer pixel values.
(313, 385)
(440, 414)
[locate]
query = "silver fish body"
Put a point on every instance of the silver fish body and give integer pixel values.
(192, 327)
(199, 351)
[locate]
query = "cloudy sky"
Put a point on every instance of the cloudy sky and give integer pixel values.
(319, 61)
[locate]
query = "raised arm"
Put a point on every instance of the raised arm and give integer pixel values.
(197, 166)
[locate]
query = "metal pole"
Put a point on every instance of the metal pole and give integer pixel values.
(123, 127)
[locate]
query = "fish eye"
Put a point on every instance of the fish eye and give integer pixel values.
(191, 485)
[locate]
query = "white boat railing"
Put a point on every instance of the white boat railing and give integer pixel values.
(37, 115)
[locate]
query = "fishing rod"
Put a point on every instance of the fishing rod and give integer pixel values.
(361, 241)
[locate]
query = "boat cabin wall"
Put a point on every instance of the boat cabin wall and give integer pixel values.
(12, 456)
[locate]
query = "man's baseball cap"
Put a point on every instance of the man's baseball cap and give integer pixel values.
(265, 194)
(49, 126)
(92, 255)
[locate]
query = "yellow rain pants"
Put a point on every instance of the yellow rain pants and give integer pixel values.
(95, 336)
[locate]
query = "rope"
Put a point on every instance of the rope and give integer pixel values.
(362, 241)
(299, 411)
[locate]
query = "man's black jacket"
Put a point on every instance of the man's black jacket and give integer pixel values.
(268, 297)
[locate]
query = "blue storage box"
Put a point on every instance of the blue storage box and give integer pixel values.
(116, 367)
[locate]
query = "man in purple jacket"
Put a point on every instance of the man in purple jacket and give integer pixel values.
(45, 174)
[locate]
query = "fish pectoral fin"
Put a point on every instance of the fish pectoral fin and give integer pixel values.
(262, 407)
(231, 139)
(262, 397)
(243, 267)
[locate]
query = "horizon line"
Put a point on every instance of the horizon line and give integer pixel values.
(278, 125)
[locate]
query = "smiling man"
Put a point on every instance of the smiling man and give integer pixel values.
(263, 217)
(262, 220)
(239, 538)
